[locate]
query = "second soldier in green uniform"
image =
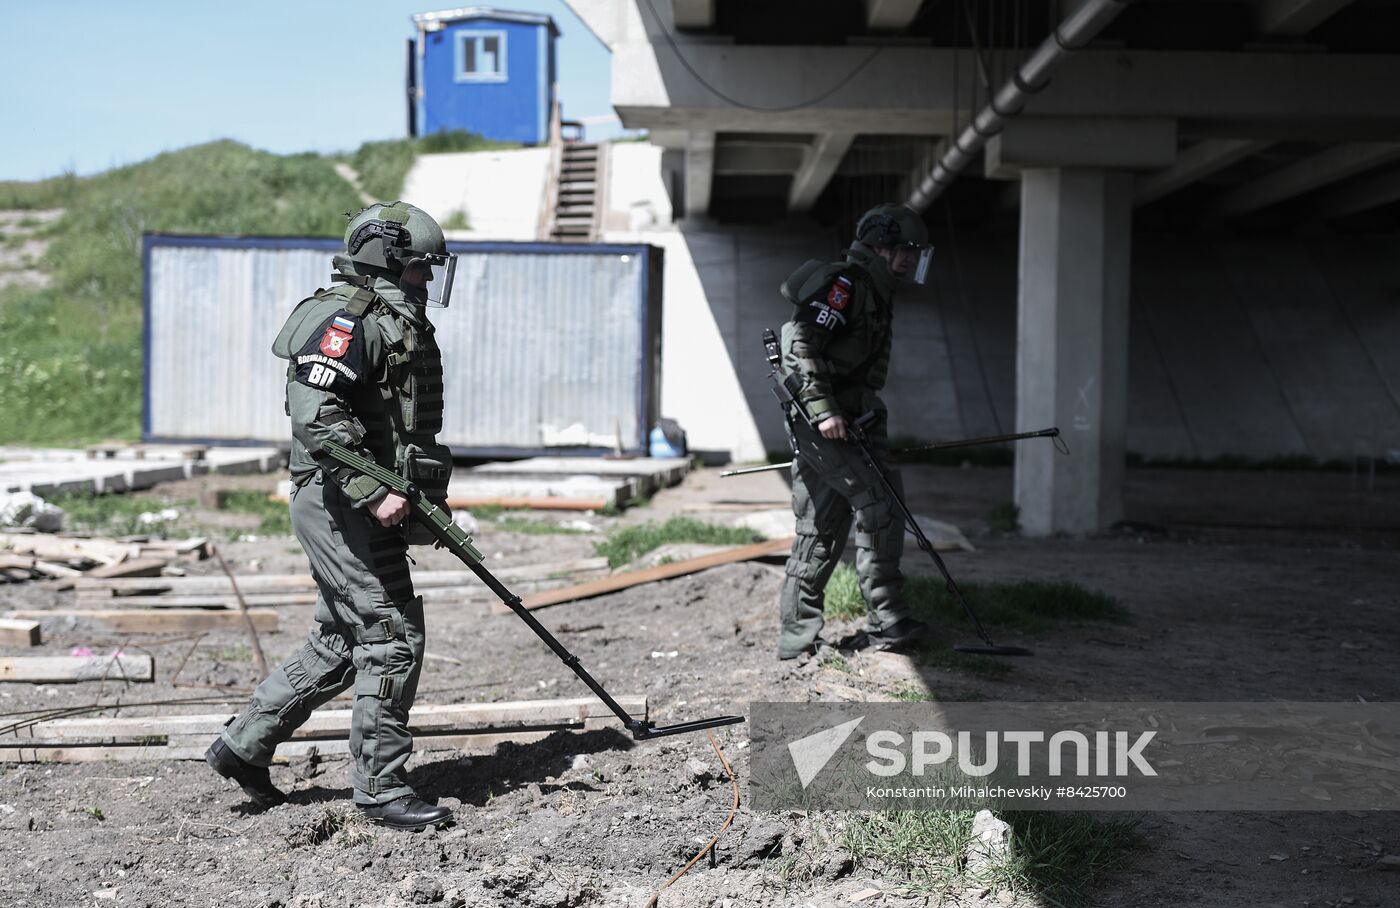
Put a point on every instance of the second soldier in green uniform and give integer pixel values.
(838, 344)
(363, 370)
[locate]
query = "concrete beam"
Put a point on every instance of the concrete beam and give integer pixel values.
(699, 173)
(1296, 17)
(746, 157)
(612, 23)
(1330, 166)
(909, 91)
(1040, 142)
(1372, 192)
(891, 15)
(822, 159)
(1193, 165)
(1072, 348)
(693, 14)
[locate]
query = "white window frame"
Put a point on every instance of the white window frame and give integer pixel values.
(476, 35)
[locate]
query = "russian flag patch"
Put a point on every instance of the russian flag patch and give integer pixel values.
(344, 324)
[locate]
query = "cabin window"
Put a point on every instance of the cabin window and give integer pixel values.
(481, 56)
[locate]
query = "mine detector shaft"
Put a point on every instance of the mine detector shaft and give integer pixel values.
(786, 387)
(458, 542)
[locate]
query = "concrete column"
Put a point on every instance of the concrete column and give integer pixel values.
(699, 173)
(1072, 347)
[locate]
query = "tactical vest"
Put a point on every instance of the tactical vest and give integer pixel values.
(858, 355)
(402, 420)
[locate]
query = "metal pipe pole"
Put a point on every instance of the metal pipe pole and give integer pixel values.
(1077, 30)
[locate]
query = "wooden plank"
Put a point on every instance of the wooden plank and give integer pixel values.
(135, 567)
(533, 503)
(332, 723)
(278, 600)
(204, 600)
(8, 561)
(291, 583)
(54, 669)
(54, 569)
(14, 632)
(650, 575)
(59, 548)
(158, 621)
(482, 741)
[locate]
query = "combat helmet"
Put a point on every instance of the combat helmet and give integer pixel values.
(894, 225)
(399, 238)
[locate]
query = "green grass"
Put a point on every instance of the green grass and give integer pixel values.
(238, 652)
(628, 543)
(909, 692)
(55, 192)
(534, 527)
(275, 516)
(119, 514)
(70, 353)
(1004, 518)
(382, 166)
(457, 220)
(1030, 606)
(1054, 857)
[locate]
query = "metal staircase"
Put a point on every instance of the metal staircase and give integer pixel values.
(578, 197)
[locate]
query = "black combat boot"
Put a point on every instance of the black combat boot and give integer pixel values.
(255, 781)
(407, 812)
(904, 634)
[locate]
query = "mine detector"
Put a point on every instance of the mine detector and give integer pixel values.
(457, 541)
(787, 387)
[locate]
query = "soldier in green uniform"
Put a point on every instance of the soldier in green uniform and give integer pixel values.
(838, 344)
(364, 370)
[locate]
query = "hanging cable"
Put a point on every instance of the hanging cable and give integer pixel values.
(675, 48)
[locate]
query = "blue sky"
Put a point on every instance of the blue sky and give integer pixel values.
(91, 84)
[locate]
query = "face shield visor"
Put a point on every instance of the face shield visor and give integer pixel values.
(438, 271)
(910, 262)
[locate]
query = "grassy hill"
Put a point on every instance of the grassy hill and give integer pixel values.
(70, 352)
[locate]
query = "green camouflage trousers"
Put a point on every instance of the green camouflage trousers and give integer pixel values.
(369, 634)
(831, 486)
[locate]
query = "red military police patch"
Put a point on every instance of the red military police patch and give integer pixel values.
(840, 294)
(335, 342)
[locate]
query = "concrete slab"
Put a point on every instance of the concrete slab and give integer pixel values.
(650, 473)
(615, 492)
(49, 471)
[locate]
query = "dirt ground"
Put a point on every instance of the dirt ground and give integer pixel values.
(1240, 586)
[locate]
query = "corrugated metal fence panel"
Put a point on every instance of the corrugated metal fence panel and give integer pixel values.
(211, 319)
(544, 346)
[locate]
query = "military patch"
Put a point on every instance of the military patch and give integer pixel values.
(335, 342)
(839, 294)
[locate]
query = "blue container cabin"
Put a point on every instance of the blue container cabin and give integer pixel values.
(485, 70)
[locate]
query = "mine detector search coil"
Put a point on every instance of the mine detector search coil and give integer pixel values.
(786, 388)
(458, 542)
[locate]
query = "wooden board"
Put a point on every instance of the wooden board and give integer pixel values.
(536, 503)
(135, 567)
(650, 575)
(15, 632)
(291, 583)
(159, 621)
(483, 741)
(55, 669)
(59, 548)
(277, 600)
(465, 726)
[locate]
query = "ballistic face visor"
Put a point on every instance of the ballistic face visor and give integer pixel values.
(916, 273)
(441, 268)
